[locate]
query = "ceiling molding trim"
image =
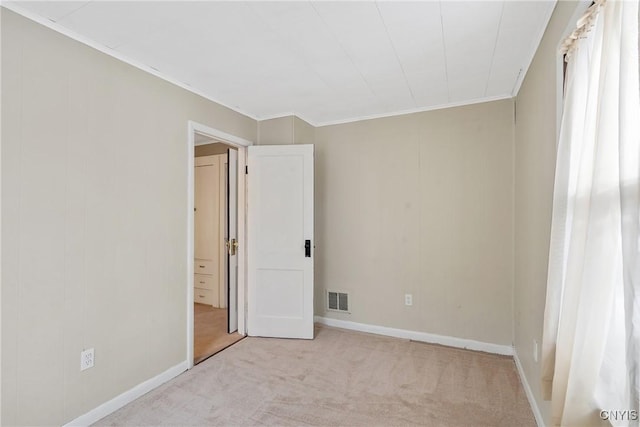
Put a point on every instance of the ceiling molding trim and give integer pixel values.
(145, 68)
(216, 135)
(281, 116)
(415, 110)
(112, 53)
(276, 116)
(534, 48)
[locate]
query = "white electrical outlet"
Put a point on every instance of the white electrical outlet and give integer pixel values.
(86, 359)
(408, 299)
(535, 350)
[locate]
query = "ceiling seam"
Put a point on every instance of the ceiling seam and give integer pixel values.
(444, 50)
(71, 12)
(293, 46)
(393, 46)
(299, 53)
(344, 50)
(537, 40)
(495, 48)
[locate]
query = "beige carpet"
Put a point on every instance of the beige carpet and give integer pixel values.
(210, 331)
(341, 378)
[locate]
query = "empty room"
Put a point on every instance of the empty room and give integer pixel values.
(327, 213)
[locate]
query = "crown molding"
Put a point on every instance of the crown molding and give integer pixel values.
(414, 110)
(112, 53)
(117, 55)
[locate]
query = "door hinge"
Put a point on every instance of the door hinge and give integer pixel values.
(246, 170)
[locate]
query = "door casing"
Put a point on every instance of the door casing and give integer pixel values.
(241, 145)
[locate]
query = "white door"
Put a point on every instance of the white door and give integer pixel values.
(232, 240)
(206, 280)
(206, 182)
(280, 241)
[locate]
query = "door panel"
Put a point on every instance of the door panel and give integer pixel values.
(280, 220)
(280, 293)
(282, 226)
(206, 213)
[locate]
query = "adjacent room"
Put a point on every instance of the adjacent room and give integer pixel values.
(215, 313)
(338, 213)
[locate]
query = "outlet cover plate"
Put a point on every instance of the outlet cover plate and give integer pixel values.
(86, 359)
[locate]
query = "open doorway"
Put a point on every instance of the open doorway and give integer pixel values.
(272, 167)
(232, 272)
(215, 244)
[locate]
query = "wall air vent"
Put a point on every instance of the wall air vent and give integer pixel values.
(337, 301)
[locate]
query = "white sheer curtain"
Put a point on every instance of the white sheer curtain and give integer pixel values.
(591, 341)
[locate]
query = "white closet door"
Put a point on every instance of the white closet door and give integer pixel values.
(207, 208)
(207, 229)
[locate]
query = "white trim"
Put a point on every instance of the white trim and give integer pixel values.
(277, 116)
(243, 213)
(241, 144)
(191, 153)
(411, 111)
(527, 389)
(506, 350)
(115, 54)
(128, 396)
(216, 134)
(534, 47)
(284, 115)
(0, 232)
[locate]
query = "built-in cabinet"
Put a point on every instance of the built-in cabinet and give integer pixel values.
(209, 220)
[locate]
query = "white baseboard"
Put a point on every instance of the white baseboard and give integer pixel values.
(418, 336)
(128, 396)
(527, 389)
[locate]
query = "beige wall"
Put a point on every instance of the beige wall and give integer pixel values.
(285, 130)
(94, 227)
(421, 204)
(303, 132)
(277, 131)
(535, 156)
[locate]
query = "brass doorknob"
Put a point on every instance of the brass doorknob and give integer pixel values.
(232, 246)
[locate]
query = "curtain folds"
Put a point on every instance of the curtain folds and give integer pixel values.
(591, 338)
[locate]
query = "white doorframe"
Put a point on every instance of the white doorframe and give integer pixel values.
(241, 144)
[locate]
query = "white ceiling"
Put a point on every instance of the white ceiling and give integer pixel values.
(326, 62)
